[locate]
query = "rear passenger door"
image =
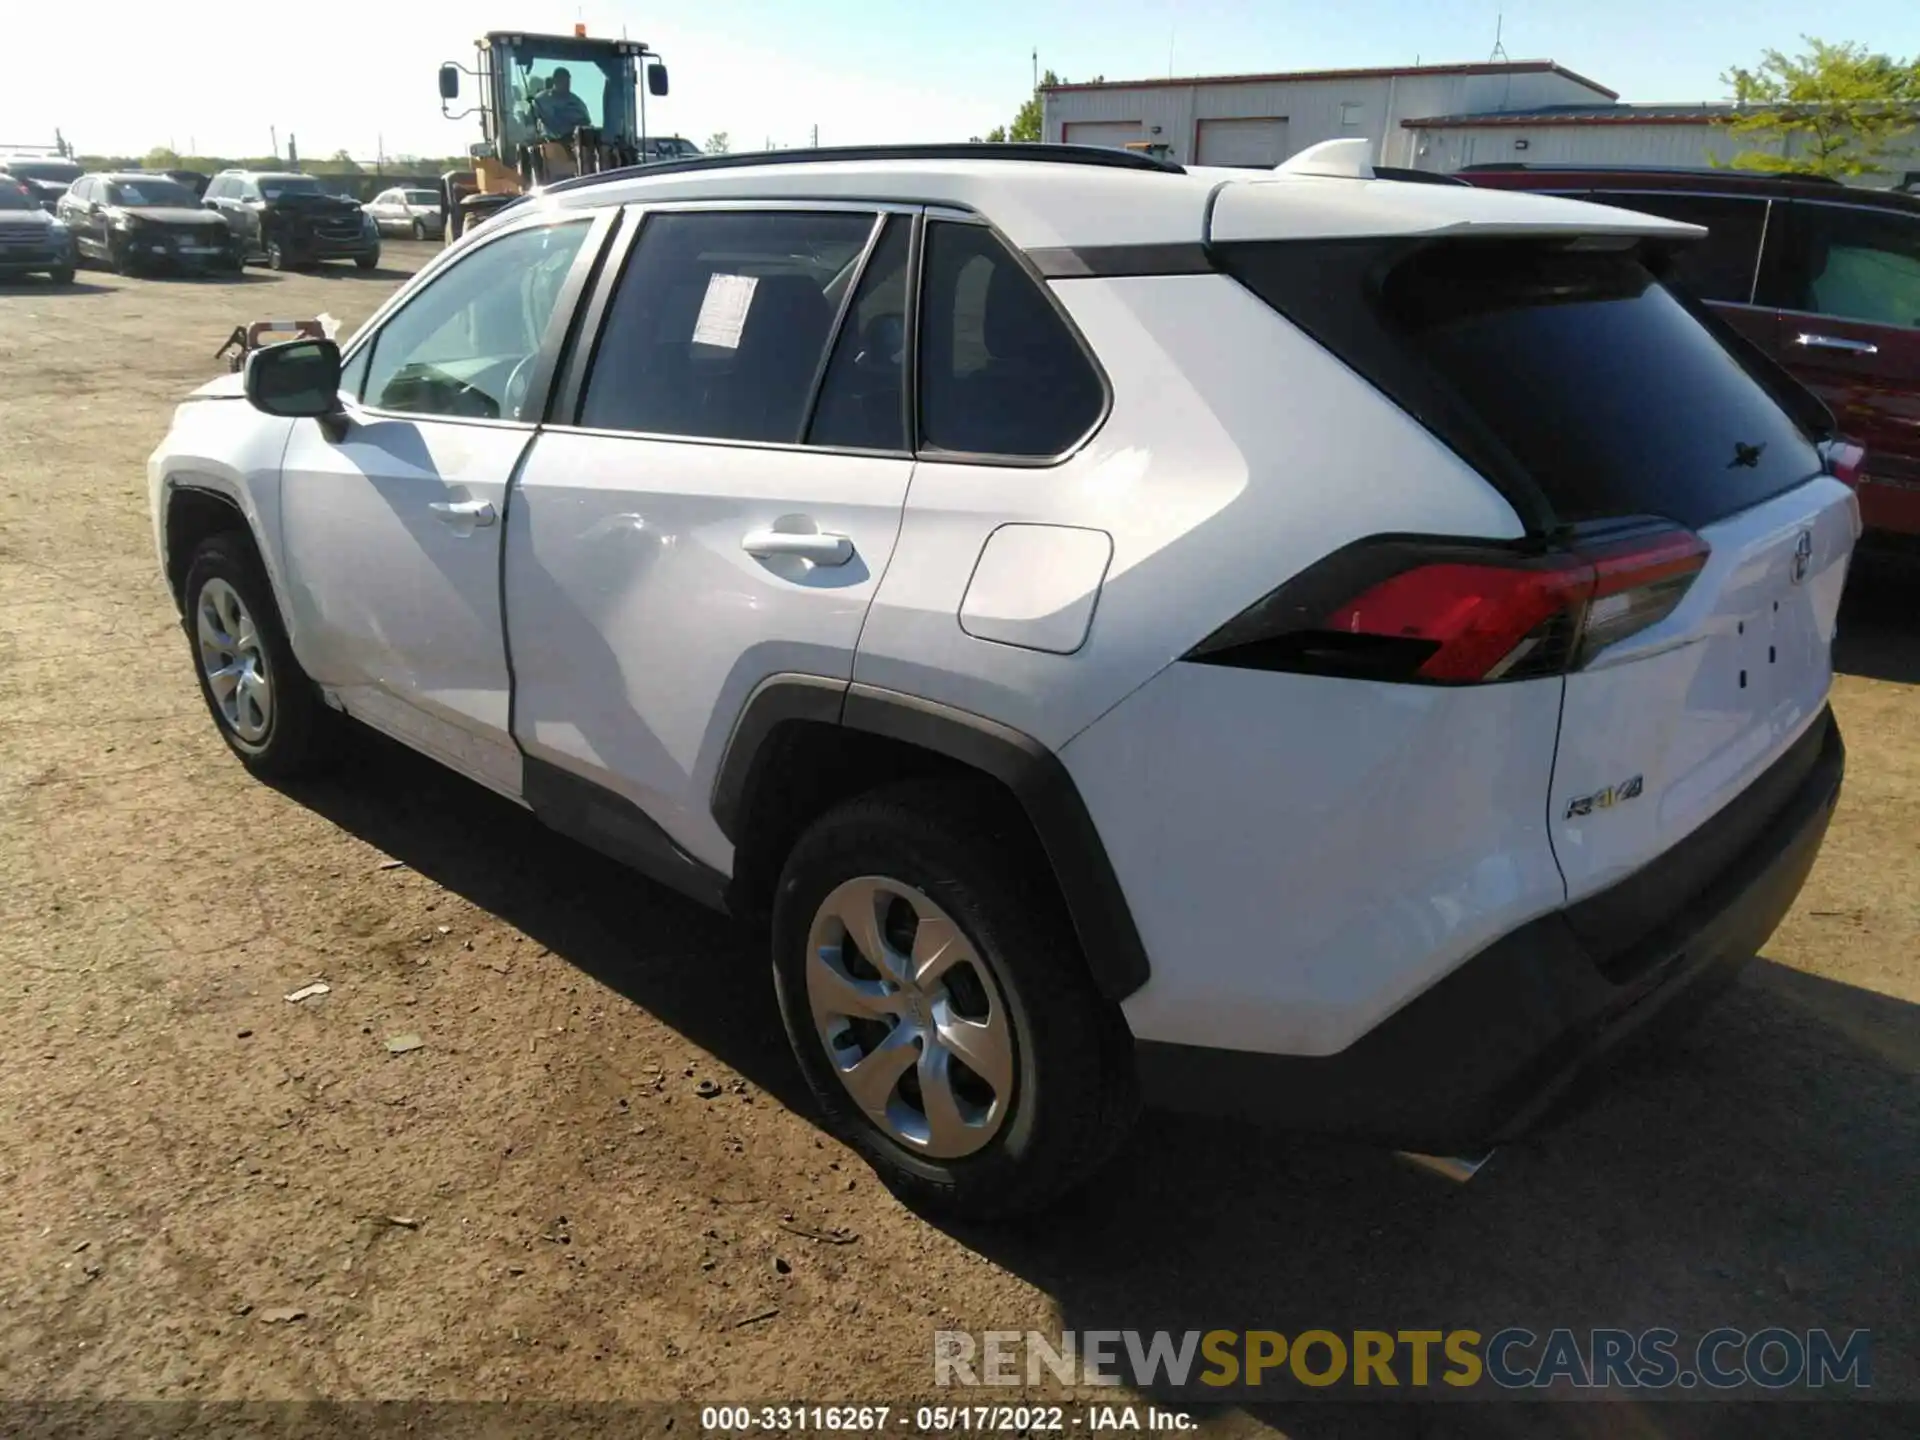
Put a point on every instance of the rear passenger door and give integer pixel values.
(713, 502)
(1850, 317)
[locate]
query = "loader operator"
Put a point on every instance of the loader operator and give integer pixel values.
(560, 111)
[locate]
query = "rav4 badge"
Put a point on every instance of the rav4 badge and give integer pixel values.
(1606, 799)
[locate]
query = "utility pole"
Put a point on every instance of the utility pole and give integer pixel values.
(1036, 67)
(816, 137)
(274, 135)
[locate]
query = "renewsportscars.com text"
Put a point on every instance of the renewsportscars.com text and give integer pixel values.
(1513, 1358)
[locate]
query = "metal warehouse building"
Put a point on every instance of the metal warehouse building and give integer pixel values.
(1422, 117)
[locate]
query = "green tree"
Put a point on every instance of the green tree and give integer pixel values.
(718, 143)
(161, 158)
(1028, 121)
(1839, 108)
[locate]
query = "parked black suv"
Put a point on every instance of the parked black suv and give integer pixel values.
(290, 220)
(135, 220)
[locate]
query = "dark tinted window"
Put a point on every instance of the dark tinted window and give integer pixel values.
(14, 197)
(721, 322)
(1571, 371)
(1856, 264)
(1720, 267)
(862, 402)
(1000, 373)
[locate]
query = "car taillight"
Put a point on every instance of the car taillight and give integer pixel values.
(1446, 613)
(1845, 460)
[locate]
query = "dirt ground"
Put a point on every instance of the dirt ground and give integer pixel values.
(537, 1202)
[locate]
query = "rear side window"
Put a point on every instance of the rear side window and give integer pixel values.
(1000, 372)
(862, 402)
(1855, 263)
(1720, 267)
(721, 323)
(1565, 370)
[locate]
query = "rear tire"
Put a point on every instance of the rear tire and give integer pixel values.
(264, 705)
(1043, 1093)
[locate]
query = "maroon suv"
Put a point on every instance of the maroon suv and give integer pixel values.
(1824, 277)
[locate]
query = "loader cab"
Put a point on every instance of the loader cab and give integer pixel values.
(552, 106)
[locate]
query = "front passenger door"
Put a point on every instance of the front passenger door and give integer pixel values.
(392, 531)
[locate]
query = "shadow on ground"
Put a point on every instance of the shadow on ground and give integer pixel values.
(1880, 619)
(40, 285)
(1754, 1171)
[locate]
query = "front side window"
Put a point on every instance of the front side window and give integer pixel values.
(720, 323)
(1720, 267)
(467, 343)
(1000, 372)
(1856, 264)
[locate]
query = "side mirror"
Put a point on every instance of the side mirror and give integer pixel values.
(656, 79)
(298, 379)
(449, 81)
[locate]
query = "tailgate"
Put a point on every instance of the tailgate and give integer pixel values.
(1662, 731)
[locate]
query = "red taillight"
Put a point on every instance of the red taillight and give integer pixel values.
(1476, 615)
(1846, 461)
(1444, 614)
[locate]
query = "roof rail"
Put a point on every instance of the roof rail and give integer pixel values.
(1589, 167)
(1094, 155)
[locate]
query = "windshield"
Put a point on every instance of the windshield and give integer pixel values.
(15, 197)
(61, 172)
(152, 191)
(597, 91)
(274, 186)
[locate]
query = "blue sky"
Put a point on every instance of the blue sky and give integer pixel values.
(352, 73)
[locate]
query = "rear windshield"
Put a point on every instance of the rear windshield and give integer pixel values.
(1572, 371)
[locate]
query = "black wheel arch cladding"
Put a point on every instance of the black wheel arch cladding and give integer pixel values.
(1034, 775)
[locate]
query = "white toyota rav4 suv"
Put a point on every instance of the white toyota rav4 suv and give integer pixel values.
(1300, 643)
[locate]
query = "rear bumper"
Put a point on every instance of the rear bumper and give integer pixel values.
(1483, 1053)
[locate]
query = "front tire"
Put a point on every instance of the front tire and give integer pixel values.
(265, 707)
(62, 276)
(939, 1006)
(277, 257)
(419, 229)
(367, 262)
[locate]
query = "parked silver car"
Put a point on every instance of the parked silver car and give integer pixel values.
(411, 212)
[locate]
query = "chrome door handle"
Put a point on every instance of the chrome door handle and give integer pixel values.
(820, 549)
(478, 513)
(1836, 342)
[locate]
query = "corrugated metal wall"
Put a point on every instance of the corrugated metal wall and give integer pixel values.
(1450, 148)
(1315, 110)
